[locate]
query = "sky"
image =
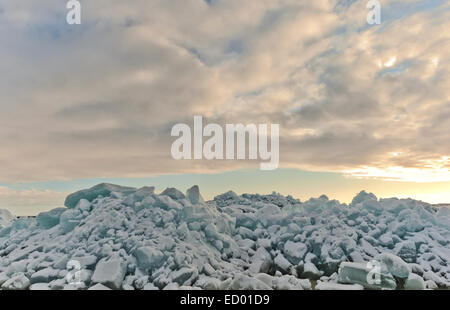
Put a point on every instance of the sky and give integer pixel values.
(359, 106)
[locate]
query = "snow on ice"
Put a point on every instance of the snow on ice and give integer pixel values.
(114, 237)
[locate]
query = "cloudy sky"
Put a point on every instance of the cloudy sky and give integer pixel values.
(359, 106)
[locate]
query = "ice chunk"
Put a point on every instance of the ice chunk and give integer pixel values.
(288, 282)
(327, 286)
(150, 287)
(92, 193)
(167, 203)
(87, 261)
(368, 248)
(208, 283)
(149, 257)
(21, 253)
(144, 192)
(417, 269)
(99, 287)
(74, 287)
(171, 287)
(246, 244)
(110, 273)
(295, 251)
(84, 205)
(226, 199)
(3, 278)
(6, 218)
(173, 193)
(414, 225)
(395, 265)
(17, 282)
(261, 261)
(435, 278)
(400, 229)
(407, 251)
(138, 283)
(266, 278)
(45, 275)
(386, 240)
(184, 276)
(282, 264)
(270, 215)
(247, 233)
(57, 284)
(51, 218)
(17, 266)
(363, 196)
(243, 282)
(39, 287)
(438, 237)
(69, 220)
(431, 285)
(310, 271)
(414, 282)
(25, 223)
(194, 196)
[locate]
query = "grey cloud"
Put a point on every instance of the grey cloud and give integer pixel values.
(99, 100)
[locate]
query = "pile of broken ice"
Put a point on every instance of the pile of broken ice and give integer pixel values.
(125, 238)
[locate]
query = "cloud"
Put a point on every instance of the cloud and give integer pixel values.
(99, 99)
